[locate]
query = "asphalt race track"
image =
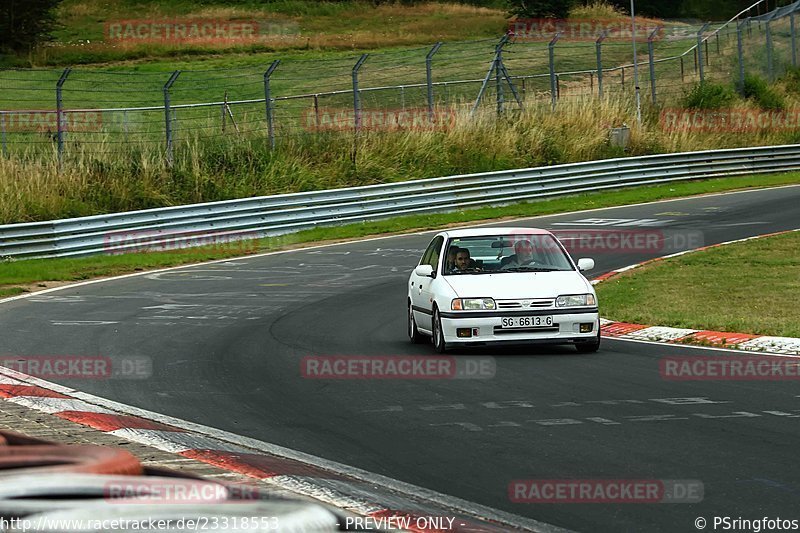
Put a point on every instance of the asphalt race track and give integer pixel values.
(226, 341)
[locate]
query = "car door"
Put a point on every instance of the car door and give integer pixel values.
(421, 286)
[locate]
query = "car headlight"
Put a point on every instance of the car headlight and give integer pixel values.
(576, 300)
(472, 304)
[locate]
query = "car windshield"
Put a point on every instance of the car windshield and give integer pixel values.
(492, 254)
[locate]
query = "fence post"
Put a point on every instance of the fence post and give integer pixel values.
(489, 73)
(168, 115)
(498, 76)
(598, 48)
(268, 103)
(224, 105)
(770, 70)
(622, 77)
(356, 95)
(60, 114)
(552, 63)
(429, 77)
(700, 50)
(652, 63)
(740, 54)
(793, 36)
(316, 110)
(3, 133)
(682, 79)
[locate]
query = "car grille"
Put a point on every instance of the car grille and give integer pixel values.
(541, 329)
(527, 303)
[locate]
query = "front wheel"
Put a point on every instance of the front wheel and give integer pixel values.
(589, 347)
(438, 335)
(413, 332)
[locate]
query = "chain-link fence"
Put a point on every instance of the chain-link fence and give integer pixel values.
(110, 110)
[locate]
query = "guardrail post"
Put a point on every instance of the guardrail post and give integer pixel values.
(168, 115)
(740, 54)
(429, 77)
(794, 38)
(770, 69)
(356, 95)
(598, 49)
(652, 63)
(699, 49)
(268, 103)
(552, 65)
(60, 115)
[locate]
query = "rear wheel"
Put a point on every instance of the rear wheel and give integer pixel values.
(589, 347)
(413, 332)
(438, 335)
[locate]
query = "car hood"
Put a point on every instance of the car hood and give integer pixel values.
(513, 285)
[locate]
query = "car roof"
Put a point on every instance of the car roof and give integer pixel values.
(491, 232)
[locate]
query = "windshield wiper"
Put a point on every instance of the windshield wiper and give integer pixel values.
(531, 269)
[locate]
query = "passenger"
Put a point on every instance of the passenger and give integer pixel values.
(450, 262)
(463, 261)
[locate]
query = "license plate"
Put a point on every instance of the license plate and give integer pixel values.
(526, 321)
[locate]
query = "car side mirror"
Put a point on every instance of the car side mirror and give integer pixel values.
(424, 271)
(585, 263)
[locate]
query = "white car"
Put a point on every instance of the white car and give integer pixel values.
(489, 286)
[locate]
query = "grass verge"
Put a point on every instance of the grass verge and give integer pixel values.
(23, 276)
(714, 289)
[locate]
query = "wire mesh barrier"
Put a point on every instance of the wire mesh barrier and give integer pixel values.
(116, 110)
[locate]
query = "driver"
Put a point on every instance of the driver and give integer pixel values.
(523, 255)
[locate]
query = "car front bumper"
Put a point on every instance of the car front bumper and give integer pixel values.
(486, 328)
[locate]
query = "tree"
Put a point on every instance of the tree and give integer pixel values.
(540, 8)
(26, 23)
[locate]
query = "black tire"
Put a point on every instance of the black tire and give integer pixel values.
(413, 332)
(589, 347)
(438, 335)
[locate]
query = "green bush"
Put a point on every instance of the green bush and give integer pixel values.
(759, 91)
(791, 80)
(708, 95)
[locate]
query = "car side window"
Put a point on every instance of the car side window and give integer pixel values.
(436, 248)
(431, 255)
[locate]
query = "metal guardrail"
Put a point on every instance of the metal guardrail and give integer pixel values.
(248, 218)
